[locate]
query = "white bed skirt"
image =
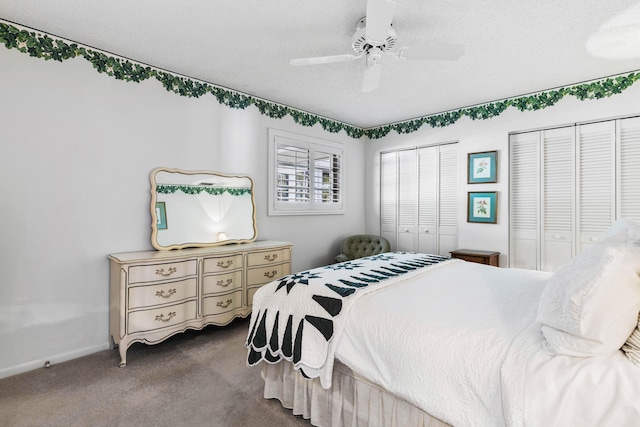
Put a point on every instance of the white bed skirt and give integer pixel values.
(352, 401)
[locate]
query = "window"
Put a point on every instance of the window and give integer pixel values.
(305, 175)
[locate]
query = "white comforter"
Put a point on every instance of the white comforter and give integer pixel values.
(578, 391)
(465, 348)
(301, 317)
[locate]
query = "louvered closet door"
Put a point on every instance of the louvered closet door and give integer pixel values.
(407, 199)
(448, 197)
(628, 161)
(557, 194)
(427, 197)
(389, 196)
(596, 181)
(524, 209)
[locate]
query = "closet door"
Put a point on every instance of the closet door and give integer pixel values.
(524, 196)
(447, 209)
(418, 199)
(596, 172)
(628, 165)
(590, 176)
(389, 196)
(557, 194)
(428, 177)
(407, 199)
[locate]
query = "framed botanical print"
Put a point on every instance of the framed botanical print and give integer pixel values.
(482, 167)
(482, 207)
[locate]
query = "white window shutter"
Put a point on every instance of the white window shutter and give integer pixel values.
(292, 168)
(327, 169)
(305, 175)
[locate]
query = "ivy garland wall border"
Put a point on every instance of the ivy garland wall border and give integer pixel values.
(48, 47)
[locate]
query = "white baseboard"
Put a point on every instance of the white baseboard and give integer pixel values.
(58, 358)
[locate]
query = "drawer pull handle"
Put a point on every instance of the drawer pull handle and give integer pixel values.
(161, 272)
(161, 294)
(223, 284)
(270, 274)
(161, 318)
(271, 257)
(223, 264)
(222, 304)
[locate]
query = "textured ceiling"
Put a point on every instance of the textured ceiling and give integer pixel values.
(512, 47)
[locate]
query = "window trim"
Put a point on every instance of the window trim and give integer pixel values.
(313, 145)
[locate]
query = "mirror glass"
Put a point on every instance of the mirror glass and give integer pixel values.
(200, 208)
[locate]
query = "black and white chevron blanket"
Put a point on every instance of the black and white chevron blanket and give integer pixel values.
(300, 317)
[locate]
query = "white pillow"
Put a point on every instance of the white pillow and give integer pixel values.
(631, 347)
(623, 230)
(590, 306)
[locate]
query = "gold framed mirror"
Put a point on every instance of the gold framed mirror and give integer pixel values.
(200, 209)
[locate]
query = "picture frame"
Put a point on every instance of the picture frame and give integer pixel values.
(482, 167)
(161, 216)
(482, 207)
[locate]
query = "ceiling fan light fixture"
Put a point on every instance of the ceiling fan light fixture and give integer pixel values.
(360, 43)
(374, 36)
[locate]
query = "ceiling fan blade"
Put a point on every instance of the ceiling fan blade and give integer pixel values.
(323, 59)
(433, 52)
(379, 17)
(371, 79)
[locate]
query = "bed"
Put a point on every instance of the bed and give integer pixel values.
(404, 339)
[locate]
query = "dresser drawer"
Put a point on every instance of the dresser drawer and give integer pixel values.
(148, 320)
(258, 276)
(267, 257)
(156, 272)
(221, 264)
(150, 295)
(221, 303)
(216, 283)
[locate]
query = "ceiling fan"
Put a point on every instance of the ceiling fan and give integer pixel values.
(374, 37)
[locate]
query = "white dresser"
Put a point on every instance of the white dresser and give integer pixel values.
(157, 294)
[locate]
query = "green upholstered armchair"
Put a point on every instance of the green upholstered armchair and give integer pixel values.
(362, 245)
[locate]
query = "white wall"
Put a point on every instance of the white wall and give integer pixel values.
(489, 135)
(76, 149)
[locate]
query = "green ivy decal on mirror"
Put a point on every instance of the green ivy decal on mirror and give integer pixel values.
(197, 189)
(46, 47)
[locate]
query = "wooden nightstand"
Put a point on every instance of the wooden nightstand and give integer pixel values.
(481, 257)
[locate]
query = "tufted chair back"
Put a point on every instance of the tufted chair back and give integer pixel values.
(362, 245)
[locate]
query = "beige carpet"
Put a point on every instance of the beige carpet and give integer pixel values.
(198, 378)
